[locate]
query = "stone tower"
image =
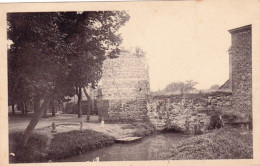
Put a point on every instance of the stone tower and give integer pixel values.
(240, 76)
(124, 87)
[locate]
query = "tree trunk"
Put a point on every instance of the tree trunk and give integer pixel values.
(22, 106)
(36, 105)
(92, 105)
(61, 106)
(18, 106)
(52, 108)
(89, 104)
(45, 112)
(25, 108)
(38, 110)
(79, 103)
(13, 111)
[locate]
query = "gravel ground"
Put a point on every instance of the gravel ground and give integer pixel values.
(68, 122)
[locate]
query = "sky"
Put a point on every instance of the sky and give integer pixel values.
(186, 41)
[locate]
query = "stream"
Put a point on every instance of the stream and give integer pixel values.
(149, 148)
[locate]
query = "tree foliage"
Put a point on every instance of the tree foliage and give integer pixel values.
(56, 54)
(181, 87)
(214, 87)
(36, 55)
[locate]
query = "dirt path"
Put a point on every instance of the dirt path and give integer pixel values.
(68, 122)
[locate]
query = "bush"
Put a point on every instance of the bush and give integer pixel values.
(62, 145)
(215, 122)
(143, 129)
(225, 143)
(34, 151)
(76, 142)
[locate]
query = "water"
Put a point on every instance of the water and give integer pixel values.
(148, 148)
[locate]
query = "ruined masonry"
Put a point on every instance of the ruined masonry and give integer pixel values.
(125, 92)
(192, 113)
(240, 75)
(124, 87)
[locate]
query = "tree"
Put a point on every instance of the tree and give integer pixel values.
(214, 87)
(189, 86)
(57, 54)
(172, 87)
(92, 36)
(182, 87)
(35, 61)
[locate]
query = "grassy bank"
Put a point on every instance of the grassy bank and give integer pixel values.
(76, 142)
(226, 143)
(35, 150)
(61, 146)
(41, 148)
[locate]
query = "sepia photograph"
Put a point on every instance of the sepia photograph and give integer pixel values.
(143, 81)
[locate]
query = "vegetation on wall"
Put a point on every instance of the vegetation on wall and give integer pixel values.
(226, 143)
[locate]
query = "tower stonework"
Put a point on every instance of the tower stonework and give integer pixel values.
(240, 77)
(124, 87)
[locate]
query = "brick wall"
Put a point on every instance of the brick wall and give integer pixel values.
(241, 69)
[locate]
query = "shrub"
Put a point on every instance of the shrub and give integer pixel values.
(143, 129)
(75, 142)
(215, 122)
(34, 151)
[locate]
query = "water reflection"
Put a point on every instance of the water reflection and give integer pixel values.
(148, 148)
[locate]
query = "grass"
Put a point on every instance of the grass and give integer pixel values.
(66, 144)
(61, 146)
(226, 143)
(35, 150)
(72, 143)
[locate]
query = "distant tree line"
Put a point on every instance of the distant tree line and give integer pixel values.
(177, 88)
(183, 88)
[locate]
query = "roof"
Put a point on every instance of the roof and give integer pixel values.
(240, 29)
(225, 86)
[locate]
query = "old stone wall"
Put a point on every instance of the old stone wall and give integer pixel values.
(241, 69)
(125, 87)
(127, 110)
(188, 113)
(125, 77)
